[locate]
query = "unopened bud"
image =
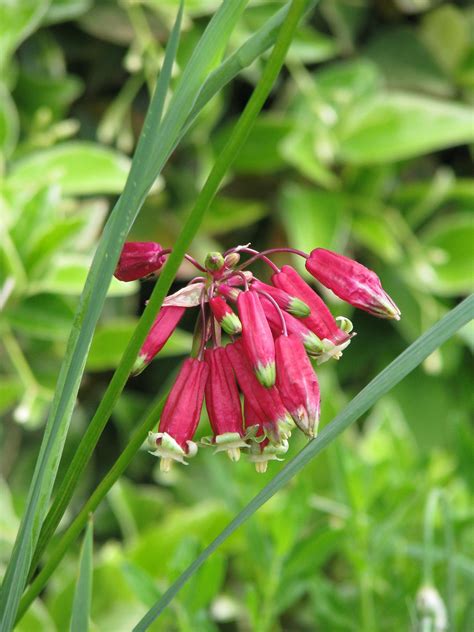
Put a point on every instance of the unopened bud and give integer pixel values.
(298, 308)
(214, 261)
(227, 319)
(232, 259)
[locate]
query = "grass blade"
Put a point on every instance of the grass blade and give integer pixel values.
(158, 145)
(207, 194)
(81, 606)
(379, 386)
(95, 428)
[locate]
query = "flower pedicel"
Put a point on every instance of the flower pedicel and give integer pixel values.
(274, 329)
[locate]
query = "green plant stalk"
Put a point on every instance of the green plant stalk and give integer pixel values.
(365, 399)
(121, 375)
(208, 192)
(81, 606)
(436, 499)
(94, 293)
(76, 526)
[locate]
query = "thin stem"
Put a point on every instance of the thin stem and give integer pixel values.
(261, 255)
(195, 263)
(276, 306)
(437, 499)
(18, 360)
(258, 255)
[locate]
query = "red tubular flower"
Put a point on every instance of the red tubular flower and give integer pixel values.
(164, 325)
(266, 402)
(257, 338)
(310, 340)
(223, 405)
(138, 260)
(352, 282)
(297, 383)
(225, 316)
(320, 321)
(180, 416)
(290, 304)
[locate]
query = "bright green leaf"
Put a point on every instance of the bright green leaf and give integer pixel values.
(81, 168)
(395, 126)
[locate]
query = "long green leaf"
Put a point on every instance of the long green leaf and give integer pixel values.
(207, 194)
(94, 429)
(384, 382)
(244, 55)
(157, 143)
(81, 605)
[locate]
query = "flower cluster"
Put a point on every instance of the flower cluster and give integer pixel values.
(274, 330)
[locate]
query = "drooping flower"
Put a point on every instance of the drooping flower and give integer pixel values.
(164, 325)
(225, 316)
(266, 402)
(320, 321)
(266, 358)
(352, 282)
(139, 259)
(180, 416)
(290, 304)
(257, 338)
(297, 383)
(223, 405)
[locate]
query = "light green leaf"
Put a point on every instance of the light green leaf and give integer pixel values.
(11, 390)
(446, 32)
(448, 245)
(18, 20)
(9, 124)
(62, 10)
(45, 317)
(111, 339)
(67, 275)
(406, 63)
(374, 232)
(83, 594)
(395, 126)
(80, 168)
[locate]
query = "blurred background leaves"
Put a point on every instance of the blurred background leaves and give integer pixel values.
(365, 147)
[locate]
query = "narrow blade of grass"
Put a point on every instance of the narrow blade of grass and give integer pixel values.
(379, 386)
(81, 606)
(94, 429)
(157, 143)
(207, 194)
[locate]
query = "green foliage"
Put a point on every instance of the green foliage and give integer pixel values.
(364, 147)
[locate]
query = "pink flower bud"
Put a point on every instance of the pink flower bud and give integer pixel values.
(227, 319)
(310, 340)
(320, 321)
(181, 414)
(223, 405)
(266, 402)
(138, 260)
(297, 383)
(164, 325)
(257, 338)
(290, 304)
(352, 282)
